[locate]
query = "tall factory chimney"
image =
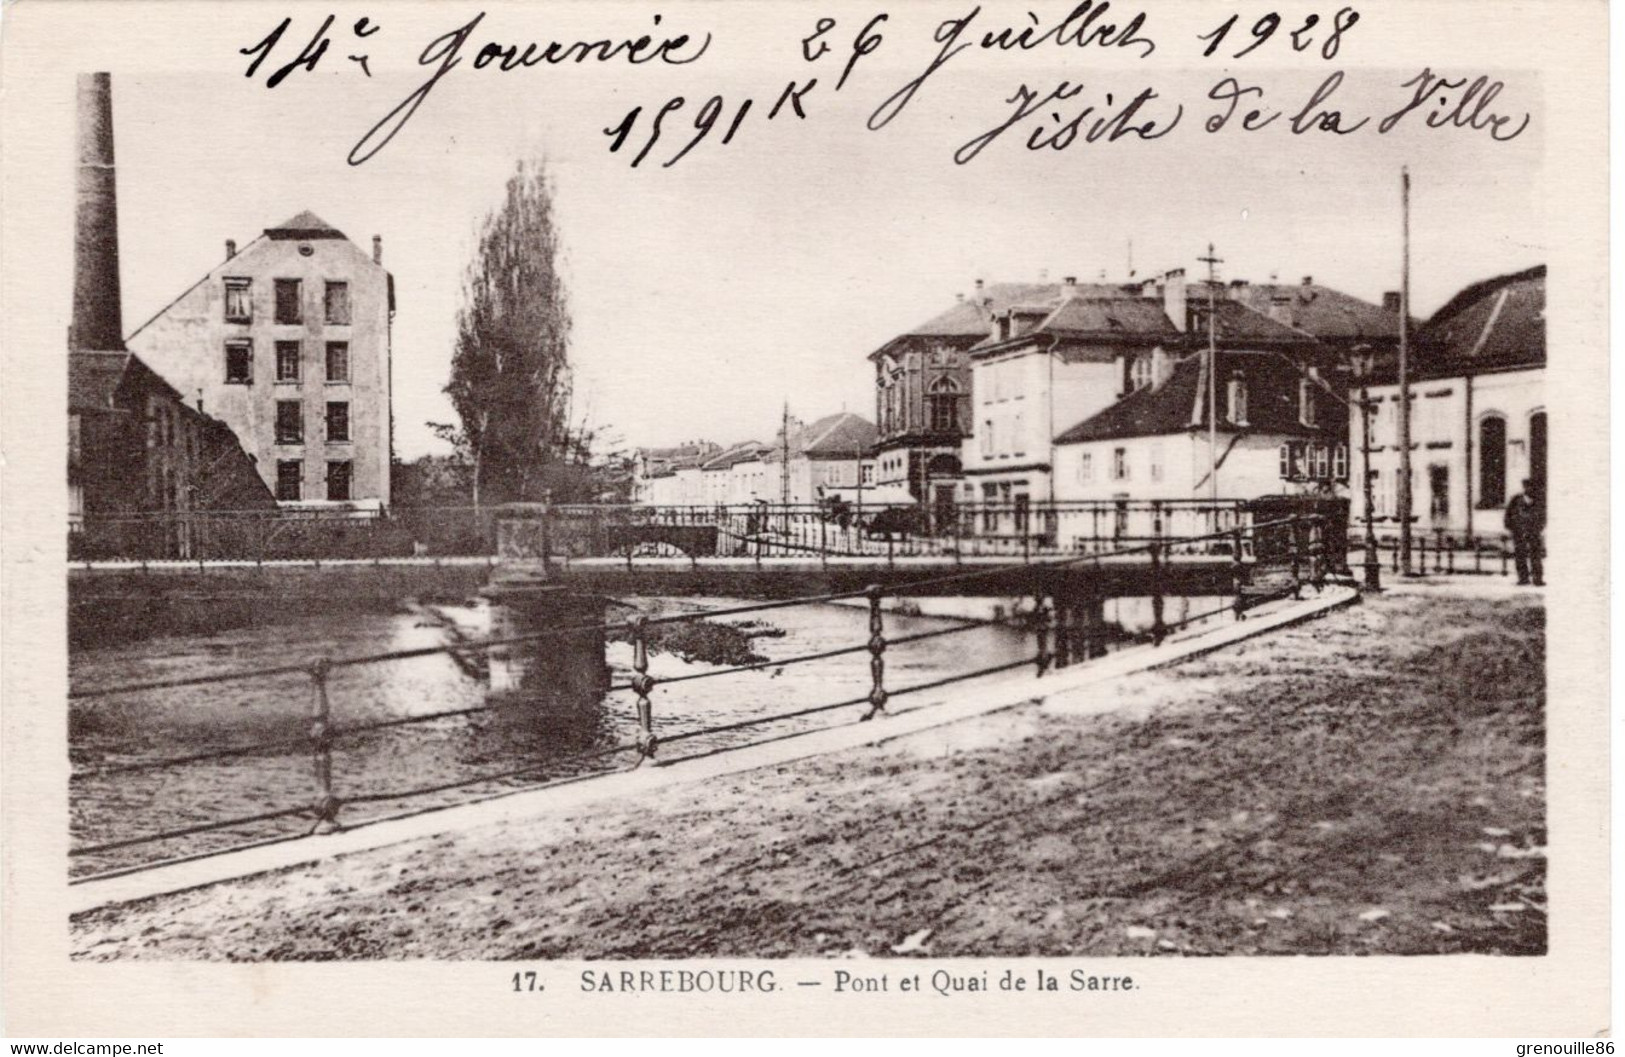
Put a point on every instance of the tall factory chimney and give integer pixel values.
(98, 323)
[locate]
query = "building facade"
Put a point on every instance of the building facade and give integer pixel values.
(1281, 430)
(825, 460)
(1478, 413)
(288, 343)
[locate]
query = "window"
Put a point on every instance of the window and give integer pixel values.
(944, 401)
(1156, 462)
(1340, 462)
(1140, 372)
(1306, 402)
(338, 361)
(1439, 492)
(287, 301)
(338, 480)
(987, 437)
(1119, 464)
(239, 301)
(287, 479)
(239, 362)
(1286, 462)
(1321, 467)
(1238, 399)
(338, 420)
(868, 473)
(290, 426)
(990, 509)
(1086, 467)
(1018, 435)
(336, 303)
(287, 361)
(1492, 462)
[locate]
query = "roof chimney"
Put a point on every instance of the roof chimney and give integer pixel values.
(98, 322)
(378, 249)
(1390, 301)
(1069, 288)
(1173, 297)
(1308, 280)
(231, 248)
(978, 286)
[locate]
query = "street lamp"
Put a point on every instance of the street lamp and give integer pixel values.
(1364, 361)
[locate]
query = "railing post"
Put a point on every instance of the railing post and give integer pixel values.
(1295, 533)
(321, 748)
(1238, 572)
(642, 684)
(547, 540)
(877, 650)
(1044, 625)
(1159, 630)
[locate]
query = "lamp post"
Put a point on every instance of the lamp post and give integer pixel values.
(1363, 361)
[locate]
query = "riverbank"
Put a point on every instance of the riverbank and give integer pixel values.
(1368, 783)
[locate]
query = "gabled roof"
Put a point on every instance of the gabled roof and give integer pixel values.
(1122, 315)
(842, 434)
(1320, 310)
(1179, 404)
(730, 457)
(1498, 322)
(1240, 324)
(305, 227)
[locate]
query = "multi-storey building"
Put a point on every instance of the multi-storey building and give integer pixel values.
(288, 342)
(1478, 412)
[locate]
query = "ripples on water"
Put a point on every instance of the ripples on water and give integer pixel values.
(530, 729)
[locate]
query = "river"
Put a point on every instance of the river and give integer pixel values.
(518, 726)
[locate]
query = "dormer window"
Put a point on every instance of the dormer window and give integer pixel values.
(1141, 372)
(1306, 402)
(1237, 403)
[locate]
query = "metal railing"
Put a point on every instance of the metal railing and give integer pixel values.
(1441, 553)
(835, 527)
(1293, 551)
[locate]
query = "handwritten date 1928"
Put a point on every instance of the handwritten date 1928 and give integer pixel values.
(1302, 38)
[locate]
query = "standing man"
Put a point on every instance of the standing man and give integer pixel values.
(1526, 520)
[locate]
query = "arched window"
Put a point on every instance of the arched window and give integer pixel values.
(944, 406)
(1492, 461)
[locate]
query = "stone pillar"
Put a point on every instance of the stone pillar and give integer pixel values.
(97, 318)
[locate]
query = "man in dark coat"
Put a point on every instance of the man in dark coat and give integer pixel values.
(1526, 520)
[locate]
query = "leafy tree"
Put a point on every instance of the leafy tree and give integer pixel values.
(510, 376)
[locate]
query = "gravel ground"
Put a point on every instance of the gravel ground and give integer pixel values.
(1370, 783)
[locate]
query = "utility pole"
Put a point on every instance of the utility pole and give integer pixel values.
(1212, 262)
(1404, 373)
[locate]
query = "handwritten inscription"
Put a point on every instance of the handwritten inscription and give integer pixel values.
(1072, 113)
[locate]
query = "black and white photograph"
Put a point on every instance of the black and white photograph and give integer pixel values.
(868, 516)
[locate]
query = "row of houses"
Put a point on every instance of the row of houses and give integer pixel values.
(805, 463)
(1022, 394)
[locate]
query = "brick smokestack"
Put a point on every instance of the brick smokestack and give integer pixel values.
(98, 323)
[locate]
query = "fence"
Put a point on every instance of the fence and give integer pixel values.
(1286, 554)
(785, 529)
(1441, 554)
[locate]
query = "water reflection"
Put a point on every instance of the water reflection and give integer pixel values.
(529, 725)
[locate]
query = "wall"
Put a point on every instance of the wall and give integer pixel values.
(186, 344)
(1445, 418)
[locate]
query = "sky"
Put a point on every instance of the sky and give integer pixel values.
(707, 294)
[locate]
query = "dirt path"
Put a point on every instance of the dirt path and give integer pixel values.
(1369, 783)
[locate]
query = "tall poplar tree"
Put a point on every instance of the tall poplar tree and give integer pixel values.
(510, 372)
